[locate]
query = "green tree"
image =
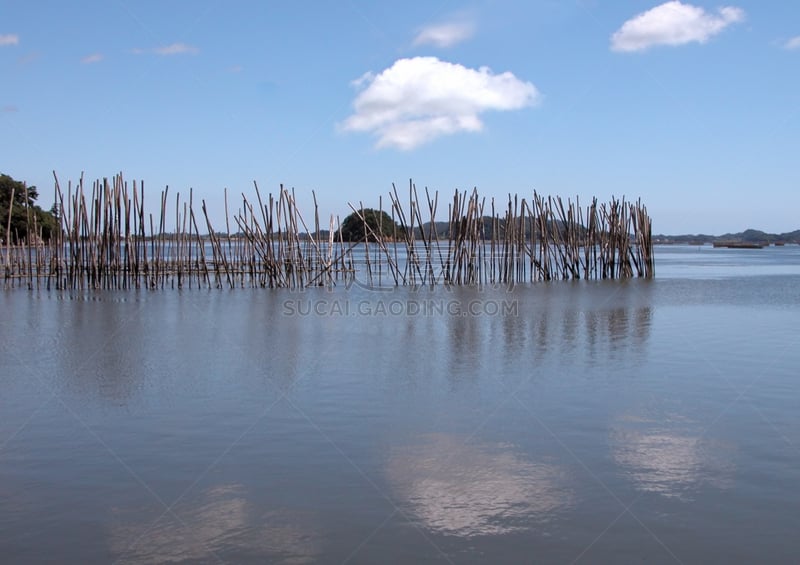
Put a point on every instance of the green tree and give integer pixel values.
(379, 222)
(24, 212)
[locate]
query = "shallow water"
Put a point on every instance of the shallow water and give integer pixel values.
(617, 421)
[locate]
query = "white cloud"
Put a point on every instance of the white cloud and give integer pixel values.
(173, 49)
(445, 34)
(673, 23)
(364, 79)
(176, 49)
(93, 58)
(417, 100)
(793, 43)
(9, 39)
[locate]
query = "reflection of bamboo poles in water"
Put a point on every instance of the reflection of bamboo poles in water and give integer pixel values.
(107, 241)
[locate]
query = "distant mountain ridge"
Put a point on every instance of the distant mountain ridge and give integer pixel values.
(747, 236)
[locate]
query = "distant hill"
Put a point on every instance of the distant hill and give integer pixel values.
(747, 236)
(442, 230)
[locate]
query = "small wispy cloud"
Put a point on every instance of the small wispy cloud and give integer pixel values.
(445, 34)
(418, 100)
(166, 50)
(9, 39)
(29, 58)
(176, 49)
(673, 23)
(235, 69)
(793, 43)
(9, 109)
(93, 58)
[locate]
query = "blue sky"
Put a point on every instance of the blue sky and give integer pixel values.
(692, 106)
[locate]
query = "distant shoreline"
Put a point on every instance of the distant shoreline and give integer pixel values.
(748, 236)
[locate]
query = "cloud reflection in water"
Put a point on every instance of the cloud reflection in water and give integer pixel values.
(472, 489)
(669, 459)
(220, 520)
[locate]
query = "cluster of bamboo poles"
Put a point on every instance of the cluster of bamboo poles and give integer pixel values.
(106, 240)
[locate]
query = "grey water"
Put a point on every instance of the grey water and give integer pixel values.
(575, 422)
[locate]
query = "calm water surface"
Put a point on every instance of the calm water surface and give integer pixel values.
(639, 421)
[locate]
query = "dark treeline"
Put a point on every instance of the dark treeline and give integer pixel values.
(21, 217)
(105, 239)
(442, 230)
